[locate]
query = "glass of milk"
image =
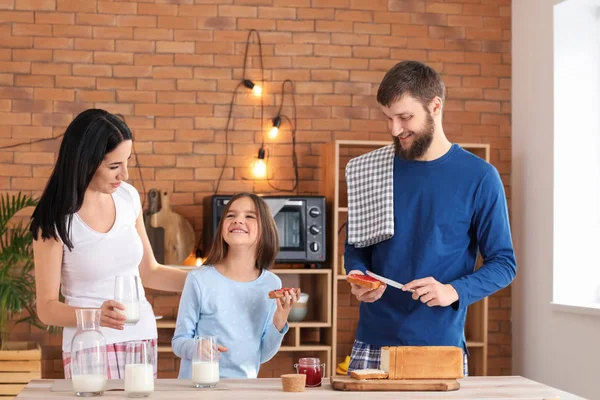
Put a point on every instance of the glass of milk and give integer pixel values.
(139, 369)
(127, 293)
(205, 366)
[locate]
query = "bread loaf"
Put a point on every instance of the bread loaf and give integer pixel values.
(422, 362)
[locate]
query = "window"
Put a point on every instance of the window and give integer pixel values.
(576, 275)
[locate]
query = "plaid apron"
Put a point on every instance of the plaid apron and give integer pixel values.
(116, 359)
(365, 356)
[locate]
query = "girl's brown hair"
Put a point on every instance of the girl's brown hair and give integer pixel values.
(268, 238)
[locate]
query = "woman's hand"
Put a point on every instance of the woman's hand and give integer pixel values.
(110, 317)
(284, 306)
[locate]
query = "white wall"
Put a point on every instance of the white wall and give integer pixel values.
(558, 349)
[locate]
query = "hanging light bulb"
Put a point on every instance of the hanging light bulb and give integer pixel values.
(275, 129)
(259, 167)
(257, 90)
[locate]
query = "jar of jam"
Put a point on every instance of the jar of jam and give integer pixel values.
(313, 369)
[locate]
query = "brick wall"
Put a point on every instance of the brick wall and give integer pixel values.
(170, 68)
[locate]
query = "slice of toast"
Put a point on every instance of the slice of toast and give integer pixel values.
(364, 280)
(362, 374)
(276, 294)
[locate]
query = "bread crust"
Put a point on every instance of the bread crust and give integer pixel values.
(364, 281)
(276, 294)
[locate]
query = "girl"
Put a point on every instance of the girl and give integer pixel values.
(88, 228)
(228, 297)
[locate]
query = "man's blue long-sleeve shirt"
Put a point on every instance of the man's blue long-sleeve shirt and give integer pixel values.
(444, 211)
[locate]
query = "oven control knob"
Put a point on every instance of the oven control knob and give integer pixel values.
(314, 212)
(314, 247)
(315, 230)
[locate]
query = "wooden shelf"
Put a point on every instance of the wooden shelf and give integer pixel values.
(305, 348)
(309, 324)
(301, 271)
(335, 156)
(475, 344)
(165, 349)
(170, 324)
(165, 323)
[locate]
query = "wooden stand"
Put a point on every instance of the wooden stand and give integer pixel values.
(345, 307)
(19, 363)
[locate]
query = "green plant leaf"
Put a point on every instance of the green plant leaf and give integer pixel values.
(17, 283)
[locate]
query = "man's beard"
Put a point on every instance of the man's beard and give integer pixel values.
(420, 143)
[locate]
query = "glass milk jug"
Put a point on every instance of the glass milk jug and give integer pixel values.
(88, 354)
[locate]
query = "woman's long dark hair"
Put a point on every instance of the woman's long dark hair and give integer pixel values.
(88, 138)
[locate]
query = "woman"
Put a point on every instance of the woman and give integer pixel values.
(88, 228)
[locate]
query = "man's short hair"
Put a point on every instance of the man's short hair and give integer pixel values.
(410, 78)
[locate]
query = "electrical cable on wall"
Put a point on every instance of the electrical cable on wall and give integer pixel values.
(256, 89)
(293, 125)
(12, 146)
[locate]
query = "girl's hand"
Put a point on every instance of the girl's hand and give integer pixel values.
(207, 352)
(110, 317)
(222, 349)
(284, 306)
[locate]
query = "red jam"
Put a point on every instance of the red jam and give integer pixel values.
(313, 369)
(366, 278)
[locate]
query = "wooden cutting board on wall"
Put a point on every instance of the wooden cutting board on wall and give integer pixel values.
(179, 237)
(156, 236)
(405, 385)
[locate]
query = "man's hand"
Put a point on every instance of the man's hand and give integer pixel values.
(431, 292)
(365, 294)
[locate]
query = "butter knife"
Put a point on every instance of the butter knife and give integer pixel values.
(387, 281)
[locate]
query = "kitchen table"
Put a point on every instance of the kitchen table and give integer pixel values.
(489, 387)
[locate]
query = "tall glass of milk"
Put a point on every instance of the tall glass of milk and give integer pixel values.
(127, 293)
(205, 365)
(88, 354)
(139, 369)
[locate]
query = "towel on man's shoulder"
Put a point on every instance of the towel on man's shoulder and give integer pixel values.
(370, 180)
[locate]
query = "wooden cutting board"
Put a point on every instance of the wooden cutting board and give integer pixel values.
(156, 236)
(179, 237)
(406, 385)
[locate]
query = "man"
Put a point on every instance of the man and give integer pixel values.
(447, 204)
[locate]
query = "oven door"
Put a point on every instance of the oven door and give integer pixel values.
(290, 218)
